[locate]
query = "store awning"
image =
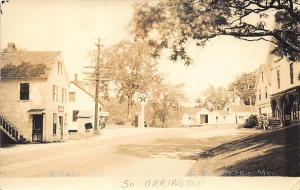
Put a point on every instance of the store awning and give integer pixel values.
(36, 111)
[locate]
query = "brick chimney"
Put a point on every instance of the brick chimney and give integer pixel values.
(75, 77)
(11, 47)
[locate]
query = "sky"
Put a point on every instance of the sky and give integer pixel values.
(73, 26)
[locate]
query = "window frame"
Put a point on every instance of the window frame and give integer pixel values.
(54, 92)
(54, 123)
(75, 115)
(266, 92)
(278, 79)
(63, 95)
(72, 98)
(23, 96)
(292, 73)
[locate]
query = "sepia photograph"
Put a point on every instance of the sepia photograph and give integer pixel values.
(150, 94)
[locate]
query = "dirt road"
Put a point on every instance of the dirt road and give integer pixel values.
(117, 152)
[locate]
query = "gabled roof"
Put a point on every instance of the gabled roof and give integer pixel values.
(27, 64)
(266, 67)
(242, 108)
(189, 110)
(222, 112)
(81, 85)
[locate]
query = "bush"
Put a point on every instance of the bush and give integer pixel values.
(251, 122)
(120, 122)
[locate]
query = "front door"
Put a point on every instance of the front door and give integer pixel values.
(37, 128)
(61, 126)
(203, 118)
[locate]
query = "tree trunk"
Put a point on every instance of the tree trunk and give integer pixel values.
(128, 109)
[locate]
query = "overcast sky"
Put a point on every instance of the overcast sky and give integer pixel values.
(72, 26)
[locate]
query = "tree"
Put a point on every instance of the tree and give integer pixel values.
(213, 98)
(244, 86)
(133, 68)
(163, 98)
(174, 23)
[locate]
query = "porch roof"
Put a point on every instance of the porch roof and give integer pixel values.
(36, 111)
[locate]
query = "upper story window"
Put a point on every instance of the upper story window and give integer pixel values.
(59, 68)
(53, 92)
(63, 91)
(262, 76)
(292, 73)
(24, 91)
(266, 92)
(278, 78)
(56, 98)
(72, 96)
(259, 95)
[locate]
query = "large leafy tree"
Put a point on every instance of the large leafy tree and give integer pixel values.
(165, 97)
(213, 98)
(244, 86)
(174, 23)
(133, 68)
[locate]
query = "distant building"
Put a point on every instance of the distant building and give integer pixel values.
(82, 106)
(188, 116)
(278, 90)
(239, 113)
(232, 114)
(34, 95)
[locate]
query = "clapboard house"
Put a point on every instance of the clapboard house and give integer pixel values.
(34, 95)
(82, 107)
(278, 90)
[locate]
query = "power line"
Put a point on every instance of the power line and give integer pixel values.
(98, 74)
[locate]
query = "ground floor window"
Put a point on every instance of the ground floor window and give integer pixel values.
(54, 123)
(75, 115)
(295, 111)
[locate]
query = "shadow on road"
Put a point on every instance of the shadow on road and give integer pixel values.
(272, 153)
(265, 154)
(177, 148)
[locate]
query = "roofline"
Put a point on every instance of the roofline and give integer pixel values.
(257, 77)
(17, 78)
(74, 82)
(59, 57)
(286, 90)
(25, 51)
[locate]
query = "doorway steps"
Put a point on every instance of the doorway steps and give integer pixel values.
(11, 130)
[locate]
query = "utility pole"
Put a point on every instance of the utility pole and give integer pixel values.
(98, 75)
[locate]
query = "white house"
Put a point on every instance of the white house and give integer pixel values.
(239, 113)
(189, 116)
(263, 87)
(235, 112)
(34, 95)
(82, 106)
(215, 117)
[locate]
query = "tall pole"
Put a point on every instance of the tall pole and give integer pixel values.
(143, 115)
(179, 114)
(97, 87)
